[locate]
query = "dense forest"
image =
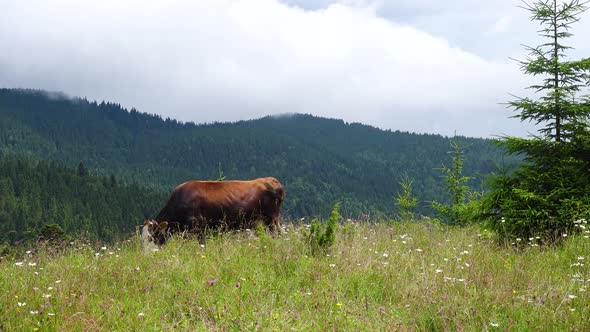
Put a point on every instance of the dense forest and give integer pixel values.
(35, 194)
(318, 160)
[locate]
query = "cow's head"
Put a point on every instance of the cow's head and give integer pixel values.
(153, 233)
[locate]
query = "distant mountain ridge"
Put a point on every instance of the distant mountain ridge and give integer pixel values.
(318, 160)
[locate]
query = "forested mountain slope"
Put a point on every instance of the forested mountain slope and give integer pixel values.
(318, 160)
(35, 194)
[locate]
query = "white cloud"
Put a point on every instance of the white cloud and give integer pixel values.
(501, 25)
(215, 60)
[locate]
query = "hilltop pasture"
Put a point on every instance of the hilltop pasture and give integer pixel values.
(400, 277)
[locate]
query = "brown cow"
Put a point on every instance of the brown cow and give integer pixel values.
(196, 206)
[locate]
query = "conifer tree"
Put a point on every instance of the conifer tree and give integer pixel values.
(544, 195)
(406, 201)
(560, 112)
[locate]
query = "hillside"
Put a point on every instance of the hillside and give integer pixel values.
(34, 195)
(318, 160)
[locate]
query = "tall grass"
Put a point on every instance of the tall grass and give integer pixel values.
(414, 276)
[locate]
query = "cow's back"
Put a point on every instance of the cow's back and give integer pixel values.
(201, 204)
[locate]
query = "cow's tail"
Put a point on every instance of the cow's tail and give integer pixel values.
(279, 196)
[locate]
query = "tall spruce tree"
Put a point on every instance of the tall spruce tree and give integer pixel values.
(560, 113)
(551, 189)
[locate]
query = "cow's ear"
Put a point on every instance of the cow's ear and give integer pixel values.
(163, 225)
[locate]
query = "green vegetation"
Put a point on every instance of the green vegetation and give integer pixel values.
(401, 275)
(319, 161)
(551, 188)
(464, 203)
(320, 237)
(220, 176)
(406, 276)
(406, 201)
(43, 200)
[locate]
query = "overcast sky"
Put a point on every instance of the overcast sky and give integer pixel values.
(427, 66)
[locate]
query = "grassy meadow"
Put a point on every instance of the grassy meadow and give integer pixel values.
(376, 277)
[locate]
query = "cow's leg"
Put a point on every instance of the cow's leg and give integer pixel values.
(273, 223)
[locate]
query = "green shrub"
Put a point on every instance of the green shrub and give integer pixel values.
(538, 200)
(405, 201)
(52, 233)
(319, 238)
(465, 203)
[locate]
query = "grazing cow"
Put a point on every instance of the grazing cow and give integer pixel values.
(196, 206)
